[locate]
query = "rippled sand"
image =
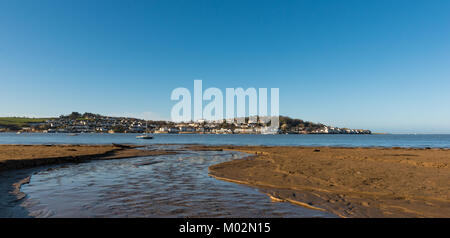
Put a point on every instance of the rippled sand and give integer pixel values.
(159, 186)
(350, 182)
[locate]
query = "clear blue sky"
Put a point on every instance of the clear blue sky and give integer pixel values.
(380, 65)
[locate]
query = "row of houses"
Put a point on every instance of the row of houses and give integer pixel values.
(98, 125)
(104, 124)
(335, 130)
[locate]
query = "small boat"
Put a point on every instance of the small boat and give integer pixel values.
(146, 137)
(73, 134)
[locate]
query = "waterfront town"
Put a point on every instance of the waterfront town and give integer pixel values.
(95, 123)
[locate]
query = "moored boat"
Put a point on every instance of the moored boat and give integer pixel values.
(144, 137)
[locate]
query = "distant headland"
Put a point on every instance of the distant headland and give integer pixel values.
(95, 123)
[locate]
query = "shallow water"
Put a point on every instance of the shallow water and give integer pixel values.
(159, 186)
(419, 141)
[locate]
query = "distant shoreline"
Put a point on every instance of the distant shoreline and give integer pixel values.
(96, 123)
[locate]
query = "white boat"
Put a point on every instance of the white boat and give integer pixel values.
(146, 137)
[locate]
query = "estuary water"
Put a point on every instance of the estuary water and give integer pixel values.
(159, 186)
(419, 141)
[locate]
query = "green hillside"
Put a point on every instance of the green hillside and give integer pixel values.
(19, 121)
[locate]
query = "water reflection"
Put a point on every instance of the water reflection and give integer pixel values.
(160, 186)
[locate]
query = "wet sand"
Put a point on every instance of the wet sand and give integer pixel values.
(19, 162)
(349, 182)
(27, 156)
(163, 186)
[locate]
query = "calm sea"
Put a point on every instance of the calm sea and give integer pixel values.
(419, 141)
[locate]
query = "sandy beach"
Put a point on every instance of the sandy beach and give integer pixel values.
(349, 182)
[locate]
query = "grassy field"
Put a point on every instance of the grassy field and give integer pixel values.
(20, 121)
